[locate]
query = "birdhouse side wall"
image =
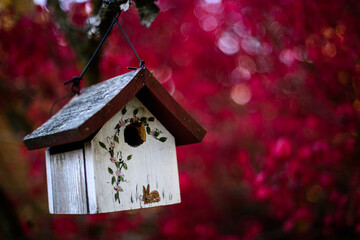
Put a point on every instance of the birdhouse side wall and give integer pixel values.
(132, 163)
(66, 182)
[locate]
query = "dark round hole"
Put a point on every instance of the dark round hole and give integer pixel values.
(134, 134)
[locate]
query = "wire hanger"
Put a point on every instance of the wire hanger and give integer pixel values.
(75, 87)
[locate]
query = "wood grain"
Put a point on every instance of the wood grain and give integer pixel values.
(90, 178)
(49, 181)
(66, 177)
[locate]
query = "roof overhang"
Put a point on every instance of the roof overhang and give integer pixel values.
(140, 83)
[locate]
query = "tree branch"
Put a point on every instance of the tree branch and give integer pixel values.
(83, 43)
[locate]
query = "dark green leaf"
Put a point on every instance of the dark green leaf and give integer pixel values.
(113, 179)
(123, 111)
(135, 111)
(116, 138)
(110, 171)
(117, 164)
(121, 178)
(125, 166)
(143, 119)
(148, 130)
(131, 120)
(102, 145)
(129, 157)
(156, 134)
(162, 139)
(112, 152)
(151, 119)
(116, 196)
(117, 126)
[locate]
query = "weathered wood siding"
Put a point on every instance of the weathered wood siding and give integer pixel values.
(153, 162)
(90, 177)
(66, 182)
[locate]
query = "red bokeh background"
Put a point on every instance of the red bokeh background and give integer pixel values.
(275, 83)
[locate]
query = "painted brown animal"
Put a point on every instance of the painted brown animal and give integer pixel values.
(150, 197)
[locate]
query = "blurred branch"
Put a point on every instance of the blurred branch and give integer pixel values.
(84, 41)
(147, 10)
(78, 40)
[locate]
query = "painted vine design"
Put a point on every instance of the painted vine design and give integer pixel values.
(116, 156)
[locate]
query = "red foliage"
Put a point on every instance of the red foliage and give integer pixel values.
(276, 85)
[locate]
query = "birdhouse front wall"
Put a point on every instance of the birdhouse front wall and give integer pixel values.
(131, 163)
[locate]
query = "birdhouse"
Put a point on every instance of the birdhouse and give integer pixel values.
(113, 147)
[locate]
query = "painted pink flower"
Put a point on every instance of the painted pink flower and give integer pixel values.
(118, 173)
(112, 144)
(112, 159)
(152, 132)
(118, 188)
(136, 119)
(121, 123)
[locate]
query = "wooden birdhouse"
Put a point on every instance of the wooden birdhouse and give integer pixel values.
(113, 147)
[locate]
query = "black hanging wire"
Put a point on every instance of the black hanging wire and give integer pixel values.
(59, 100)
(75, 87)
(142, 62)
(76, 80)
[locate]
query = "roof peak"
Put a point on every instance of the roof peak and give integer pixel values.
(85, 113)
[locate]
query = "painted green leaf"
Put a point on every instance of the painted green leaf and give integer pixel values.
(116, 196)
(113, 179)
(162, 139)
(125, 166)
(156, 134)
(151, 119)
(121, 178)
(135, 111)
(102, 145)
(123, 111)
(131, 120)
(112, 152)
(117, 164)
(117, 126)
(129, 157)
(110, 171)
(116, 138)
(143, 119)
(148, 130)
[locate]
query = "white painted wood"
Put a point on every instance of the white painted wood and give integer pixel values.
(49, 181)
(90, 177)
(68, 182)
(152, 163)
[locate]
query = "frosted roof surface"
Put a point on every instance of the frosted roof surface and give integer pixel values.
(82, 107)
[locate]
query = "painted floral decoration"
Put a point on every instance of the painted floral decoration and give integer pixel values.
(135, 129)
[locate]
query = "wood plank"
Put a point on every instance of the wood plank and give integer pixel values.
(90, 178)
(49, 181)
(68, 183)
